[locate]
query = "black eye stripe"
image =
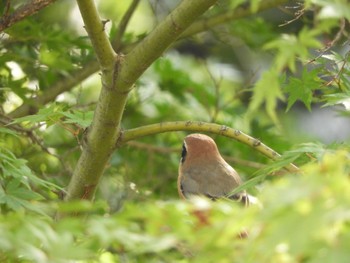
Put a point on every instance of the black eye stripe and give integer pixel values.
(183, 153)
(182, 189)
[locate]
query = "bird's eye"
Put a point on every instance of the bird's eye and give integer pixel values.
(183, 153)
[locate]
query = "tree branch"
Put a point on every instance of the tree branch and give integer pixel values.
(95, 28)
(223, 130)
(63, 85)
(117, 82)
(22, 12)
(240, 12)
(117, 41)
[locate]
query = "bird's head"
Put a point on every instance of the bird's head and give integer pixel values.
(199, 147)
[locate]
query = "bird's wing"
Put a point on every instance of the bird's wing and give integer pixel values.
(188, 186)
(221, 182)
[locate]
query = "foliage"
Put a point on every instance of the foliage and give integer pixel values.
(304, 217)
(247, 68)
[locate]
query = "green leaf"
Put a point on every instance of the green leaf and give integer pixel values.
(54, 59)
(291, 48)
(13, 203)
(337, 98)
(14, 189)
(301, 88)
(267, 90)
(16, 168)
(316, 149)
(80, 118)
(8, 131)
(173, 79)
(251, 183)
(50, 115)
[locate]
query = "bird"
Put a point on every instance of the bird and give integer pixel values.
(203, 171)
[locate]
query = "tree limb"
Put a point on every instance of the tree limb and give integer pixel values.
(63, 85)
(22, 12)
(95, 28)
(194, 126)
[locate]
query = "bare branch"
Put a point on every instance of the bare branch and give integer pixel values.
(22, 12)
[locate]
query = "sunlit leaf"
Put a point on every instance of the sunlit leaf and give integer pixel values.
(80, 118)
(302, 88)
(50, 115)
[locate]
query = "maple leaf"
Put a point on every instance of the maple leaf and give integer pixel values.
(267, 90)
(301, 88)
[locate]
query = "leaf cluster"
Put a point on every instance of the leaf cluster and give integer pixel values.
(304, 218)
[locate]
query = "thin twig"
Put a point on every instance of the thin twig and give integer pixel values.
(299, 13)
(333, 42)
(340, 71)
(116, 43)
(217, 85)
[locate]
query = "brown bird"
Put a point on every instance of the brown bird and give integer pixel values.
(203, 171)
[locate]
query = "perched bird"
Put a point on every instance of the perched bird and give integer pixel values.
(203, 171)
